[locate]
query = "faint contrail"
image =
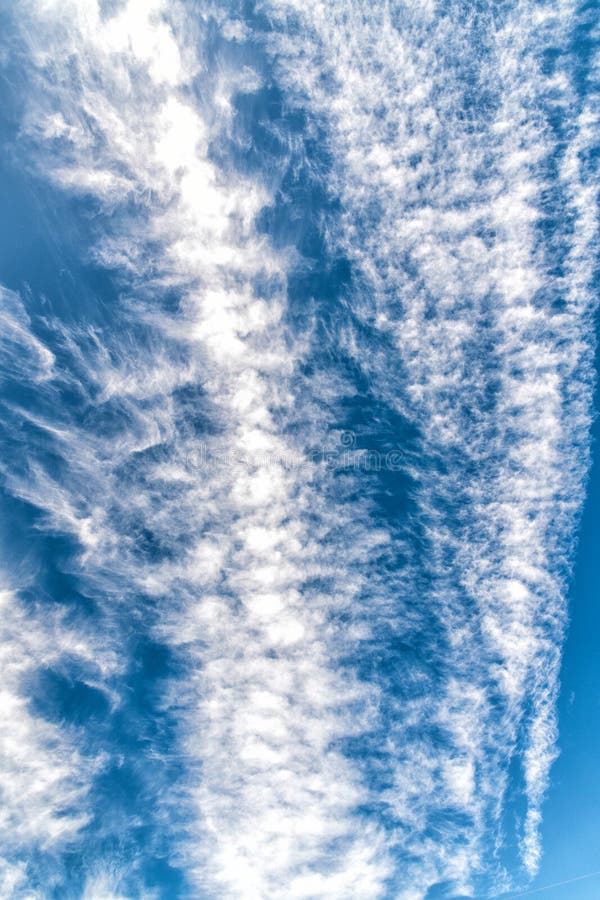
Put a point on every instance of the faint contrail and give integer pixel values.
(547, 887)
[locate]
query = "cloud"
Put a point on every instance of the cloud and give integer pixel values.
(442, 172)
(45, 774)
(219, 566)
(345, 692)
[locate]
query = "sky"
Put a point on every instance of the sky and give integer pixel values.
(299, 474)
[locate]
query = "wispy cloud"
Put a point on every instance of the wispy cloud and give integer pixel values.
(243, 573)
(45, 771)
(344, 693)
(442, 128)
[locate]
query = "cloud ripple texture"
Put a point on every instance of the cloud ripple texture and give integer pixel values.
(296, 381)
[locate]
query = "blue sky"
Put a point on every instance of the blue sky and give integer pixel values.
(298, 317)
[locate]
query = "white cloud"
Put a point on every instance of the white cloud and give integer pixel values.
(45, 778)
(270, 800)
(262, 584)
(440, 208)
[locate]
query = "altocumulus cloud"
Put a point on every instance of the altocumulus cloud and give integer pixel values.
(357, 227)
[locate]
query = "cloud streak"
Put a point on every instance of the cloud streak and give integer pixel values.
(443, 153)
(343, 688)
